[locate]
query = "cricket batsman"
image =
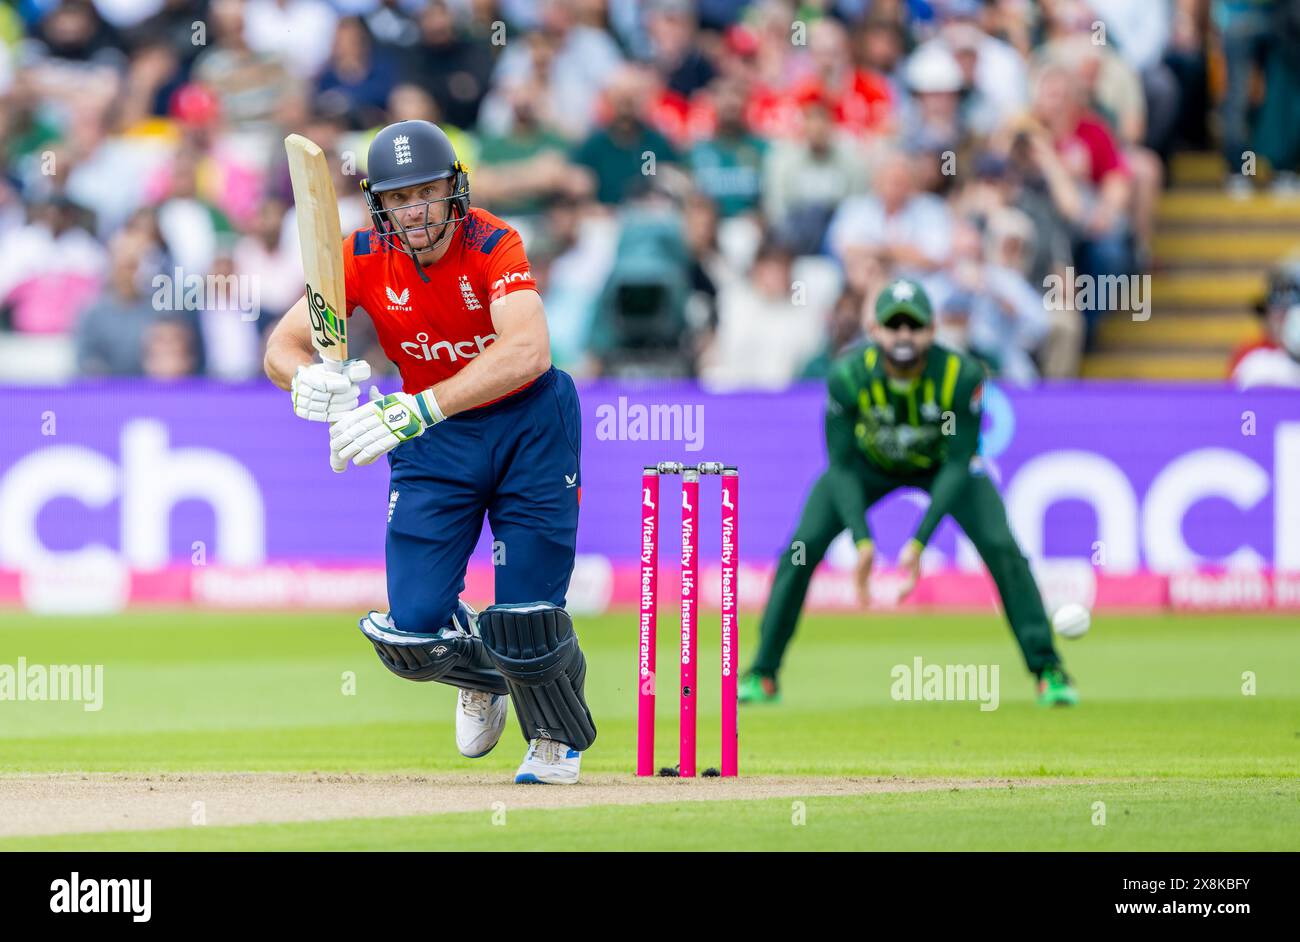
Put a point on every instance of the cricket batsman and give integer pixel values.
(905, 412)
(484, 425)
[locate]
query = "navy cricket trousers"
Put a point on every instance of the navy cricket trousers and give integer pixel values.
(515, 461)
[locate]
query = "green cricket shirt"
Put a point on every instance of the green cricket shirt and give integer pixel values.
(923, 432)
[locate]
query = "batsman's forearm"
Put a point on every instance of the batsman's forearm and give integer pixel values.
(289, 346)
(498, 371)
(283, 359)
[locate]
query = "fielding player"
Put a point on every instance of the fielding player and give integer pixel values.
(904, 412)
(456, 308)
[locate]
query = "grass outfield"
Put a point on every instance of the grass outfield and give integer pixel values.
(1201, 764)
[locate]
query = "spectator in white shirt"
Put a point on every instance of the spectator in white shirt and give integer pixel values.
(912, 229)
(995, 69)
(301, 32)
(1274, 358)
(767, 331)
(1007, 318)
(123, 14)
(576, 65)
(49, 268)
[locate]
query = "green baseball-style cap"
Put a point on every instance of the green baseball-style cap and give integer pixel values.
(904, 296)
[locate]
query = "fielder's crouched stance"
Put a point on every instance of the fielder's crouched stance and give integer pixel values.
(905, 412)
(456, 308)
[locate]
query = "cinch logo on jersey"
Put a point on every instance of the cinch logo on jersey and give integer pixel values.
(464, 349)
(468, 296)
(402, 149)
(76, 895)
(500, 283)
(397, 302)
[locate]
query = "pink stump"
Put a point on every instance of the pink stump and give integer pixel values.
(690, 600)
(730, 624)
(645, 698)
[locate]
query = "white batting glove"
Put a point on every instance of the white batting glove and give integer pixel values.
(324, 392)
(379, 426)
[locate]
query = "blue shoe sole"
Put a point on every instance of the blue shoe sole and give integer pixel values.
(528, 778)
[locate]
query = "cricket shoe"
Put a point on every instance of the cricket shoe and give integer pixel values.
(548, 762)
(755, 688)
(480, 720)
(480, 716)
(1055, 688)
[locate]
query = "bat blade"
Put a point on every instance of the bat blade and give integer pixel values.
(321, 241)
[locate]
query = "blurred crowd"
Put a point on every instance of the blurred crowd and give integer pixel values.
(707, 188)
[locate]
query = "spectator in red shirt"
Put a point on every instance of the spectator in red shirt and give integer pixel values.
(1265, 361)
(1092, 157)
(861, 99)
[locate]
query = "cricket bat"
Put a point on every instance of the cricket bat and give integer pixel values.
(321, 241)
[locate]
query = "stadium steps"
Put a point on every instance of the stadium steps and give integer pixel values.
(1180, 290)
(1211, 329)
(1160, 365)
(1211, 256)
(1215, 208)
(1197, 169)
(1233, 247)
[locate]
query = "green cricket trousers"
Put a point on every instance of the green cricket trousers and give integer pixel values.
(980, 513)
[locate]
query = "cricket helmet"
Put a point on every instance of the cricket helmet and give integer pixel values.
(406, 154)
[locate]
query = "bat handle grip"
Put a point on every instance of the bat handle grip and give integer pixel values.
(335, 464)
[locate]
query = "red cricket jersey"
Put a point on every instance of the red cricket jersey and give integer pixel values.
(432, 329)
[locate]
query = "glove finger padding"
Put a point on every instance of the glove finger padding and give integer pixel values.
(351, 426)
(318, 379)
(332, 382)
(347, 450)
(321, 393)
(536, 648)
(373, 453)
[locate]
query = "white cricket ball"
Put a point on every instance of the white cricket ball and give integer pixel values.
(1072, 620)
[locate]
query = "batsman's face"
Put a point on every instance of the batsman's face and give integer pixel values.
(902, 341)
(419, 212)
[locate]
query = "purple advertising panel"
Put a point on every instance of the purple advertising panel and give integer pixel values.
(1163, 477)
(1127, 478)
